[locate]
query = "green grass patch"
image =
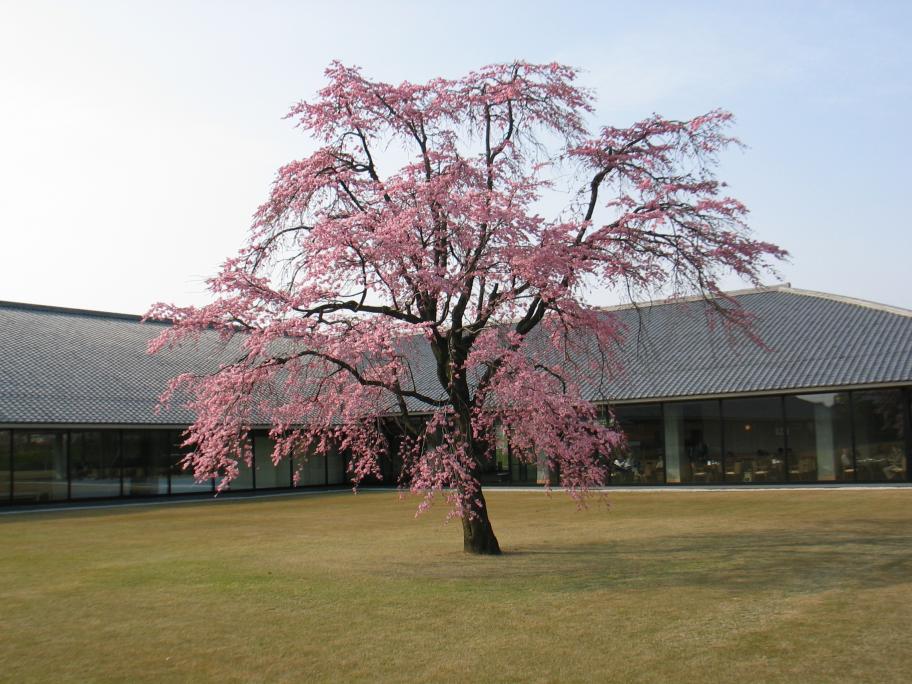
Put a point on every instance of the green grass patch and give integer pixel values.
(684, 586)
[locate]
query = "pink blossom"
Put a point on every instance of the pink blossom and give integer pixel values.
(435, 294)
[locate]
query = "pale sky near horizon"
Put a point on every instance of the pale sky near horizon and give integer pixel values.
(136, 139)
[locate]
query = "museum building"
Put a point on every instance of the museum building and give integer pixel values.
(824, 399)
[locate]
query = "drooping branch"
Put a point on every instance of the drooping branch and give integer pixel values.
(439, 288)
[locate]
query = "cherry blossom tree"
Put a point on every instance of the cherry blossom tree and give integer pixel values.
(406, 271)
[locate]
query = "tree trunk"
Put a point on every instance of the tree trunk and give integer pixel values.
(477, 533)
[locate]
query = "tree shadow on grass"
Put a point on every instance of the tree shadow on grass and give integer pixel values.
(751, 561)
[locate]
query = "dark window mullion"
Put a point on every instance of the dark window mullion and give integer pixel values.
(120, 454)
(786, 459)
(852, 430)
(908, 432)
(168, 446)
(722, 457)
(11, 469)
(66, 452)
(664, 446)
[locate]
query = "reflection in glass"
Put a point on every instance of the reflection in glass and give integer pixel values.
(244, 480)
(94, 464)
(145, 455)
(529, 471)
(819, 437)
(515, 471)
(754, 440)
(390, 461)
(521, 471)
(183, 481)
(40, 469)
(336, 467)
(879, 436)
(311, 469)
(268, 475)
(501, 466)
(693, 441)
(5, 461)
(644, 462)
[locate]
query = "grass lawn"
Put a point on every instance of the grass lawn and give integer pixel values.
(683, 586)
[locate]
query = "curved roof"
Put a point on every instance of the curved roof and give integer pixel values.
(85, 367)
(812, 340)
(73, 366)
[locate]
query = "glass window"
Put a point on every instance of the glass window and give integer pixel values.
(693, 441)
(644, 462)
(311, 469)
(183, 481)
(393, 463)
(879, 436)
(5, 461)
(819, 437)
(268, 475)
(511, 465)
(754, 440)
(94, 464)
(348, 465)
(336, 466)
(40, 468)
(390, 462)
(501, 451)
(521, 471)
(244, 480)
(145, 455)
(531, 470)
(517, 469)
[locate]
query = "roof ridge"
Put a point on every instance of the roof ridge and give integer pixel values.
(69, 310)
(854, 301)
(775, 287)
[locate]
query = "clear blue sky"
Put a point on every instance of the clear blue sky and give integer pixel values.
(136, 139)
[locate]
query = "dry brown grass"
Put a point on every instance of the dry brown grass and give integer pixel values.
(683, 586)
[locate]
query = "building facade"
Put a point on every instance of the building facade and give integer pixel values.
(825, 398)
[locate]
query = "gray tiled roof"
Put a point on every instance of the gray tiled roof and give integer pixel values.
(67, 366)
(70, 366)
(812, 340)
